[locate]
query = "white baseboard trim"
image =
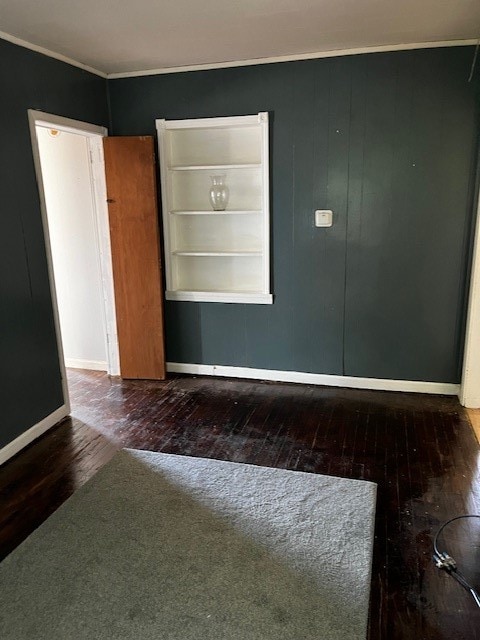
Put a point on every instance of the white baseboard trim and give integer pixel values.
(25, 438)
(470, 403)
(379, 384)
(93, 365)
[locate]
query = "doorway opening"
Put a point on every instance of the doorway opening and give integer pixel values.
(69, 164)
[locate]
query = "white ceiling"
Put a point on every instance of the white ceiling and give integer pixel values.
(134, 35)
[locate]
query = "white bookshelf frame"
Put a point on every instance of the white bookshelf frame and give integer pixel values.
(261, 294)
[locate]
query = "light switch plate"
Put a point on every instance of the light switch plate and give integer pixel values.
(323, 218)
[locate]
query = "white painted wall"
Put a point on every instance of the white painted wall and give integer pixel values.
(74, 244)
(470, 390)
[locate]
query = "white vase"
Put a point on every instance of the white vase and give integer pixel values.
(219, 193)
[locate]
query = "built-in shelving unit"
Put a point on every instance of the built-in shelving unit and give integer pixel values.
(216, 256)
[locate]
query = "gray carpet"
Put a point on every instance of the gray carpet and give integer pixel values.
(166, 547)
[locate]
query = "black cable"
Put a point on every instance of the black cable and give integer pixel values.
(447, 563)
(468, 515)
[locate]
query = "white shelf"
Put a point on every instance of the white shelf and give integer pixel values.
(215, 213)
(221, 254)
(245, 297)
(216, 256)
(190, 190)
(214, 167)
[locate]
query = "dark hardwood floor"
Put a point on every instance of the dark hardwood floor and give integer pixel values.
(420, 450)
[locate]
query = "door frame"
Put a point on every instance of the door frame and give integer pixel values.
(94, 135)
(470, 387)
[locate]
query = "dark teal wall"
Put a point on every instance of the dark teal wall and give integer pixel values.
(388, 141)
(30, 384)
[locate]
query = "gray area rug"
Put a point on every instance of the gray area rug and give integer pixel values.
(168, 547)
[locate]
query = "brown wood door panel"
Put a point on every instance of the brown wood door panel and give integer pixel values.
(133, 214)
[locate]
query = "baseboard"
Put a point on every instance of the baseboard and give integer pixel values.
(24, 439)
(469, 402)
(379, 384)
(93, 365)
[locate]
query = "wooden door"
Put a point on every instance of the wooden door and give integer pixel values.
(133, 214)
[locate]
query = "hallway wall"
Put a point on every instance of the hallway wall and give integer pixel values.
(75, 247)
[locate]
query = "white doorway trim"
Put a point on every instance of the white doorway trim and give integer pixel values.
(470, 387)
(94, 135)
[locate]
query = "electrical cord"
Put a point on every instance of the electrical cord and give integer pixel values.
(445, 562)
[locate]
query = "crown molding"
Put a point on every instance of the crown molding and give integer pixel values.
(50, 54)
(333, 53)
